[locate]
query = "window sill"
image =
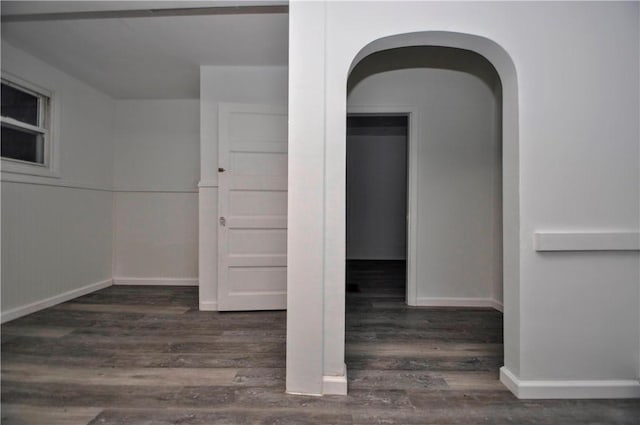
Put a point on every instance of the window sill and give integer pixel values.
(14, 167)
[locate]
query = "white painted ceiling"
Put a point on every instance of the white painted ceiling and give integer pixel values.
(149, 57)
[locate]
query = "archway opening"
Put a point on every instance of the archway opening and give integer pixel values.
(452, 59)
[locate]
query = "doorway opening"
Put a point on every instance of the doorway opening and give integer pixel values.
(453, 201)
(376, 204)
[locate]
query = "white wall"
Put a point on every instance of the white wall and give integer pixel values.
(571, 319)
(377, 193)
(56, 231)
(125, 205)
(238, 84)
(156, 169)
(459, 166)
(145, 151)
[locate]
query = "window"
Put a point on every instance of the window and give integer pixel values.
(26, 118)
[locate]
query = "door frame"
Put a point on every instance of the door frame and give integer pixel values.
(413, 116)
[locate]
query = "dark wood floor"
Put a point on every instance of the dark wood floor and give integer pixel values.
(146, 355)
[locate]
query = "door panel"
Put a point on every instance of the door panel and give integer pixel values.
(252, 207)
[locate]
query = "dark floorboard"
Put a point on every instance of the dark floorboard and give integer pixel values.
(146, 355)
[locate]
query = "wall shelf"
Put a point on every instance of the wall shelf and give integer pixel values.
(586, 241)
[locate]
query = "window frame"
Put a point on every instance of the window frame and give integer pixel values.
(45, 127)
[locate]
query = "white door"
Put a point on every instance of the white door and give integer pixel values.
(252, 207)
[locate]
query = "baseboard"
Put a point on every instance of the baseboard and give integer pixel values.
(208, 306)
(14, 313)
(376, 259)
(458, 302)
(587, 389)
(335, 385)
(155, 281)
(497, 305)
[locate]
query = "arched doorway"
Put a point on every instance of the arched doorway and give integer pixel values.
(334, 260)
(452, 98)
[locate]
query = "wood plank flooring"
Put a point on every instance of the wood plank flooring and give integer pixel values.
(146, 355)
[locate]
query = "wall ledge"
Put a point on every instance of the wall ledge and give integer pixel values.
(208, 184)
(17, 312)
(569, 389)
(586, 241)
(6, 177)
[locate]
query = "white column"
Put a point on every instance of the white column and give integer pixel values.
(305, 257)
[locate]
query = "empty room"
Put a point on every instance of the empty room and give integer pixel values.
(320, 212)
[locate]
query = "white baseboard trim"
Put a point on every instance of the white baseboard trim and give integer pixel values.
(376, 259)
(208, 306)
(587, 389)
(16, 312)
(497, 305)
(458, 302)
(335, 385)
(155, 281)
